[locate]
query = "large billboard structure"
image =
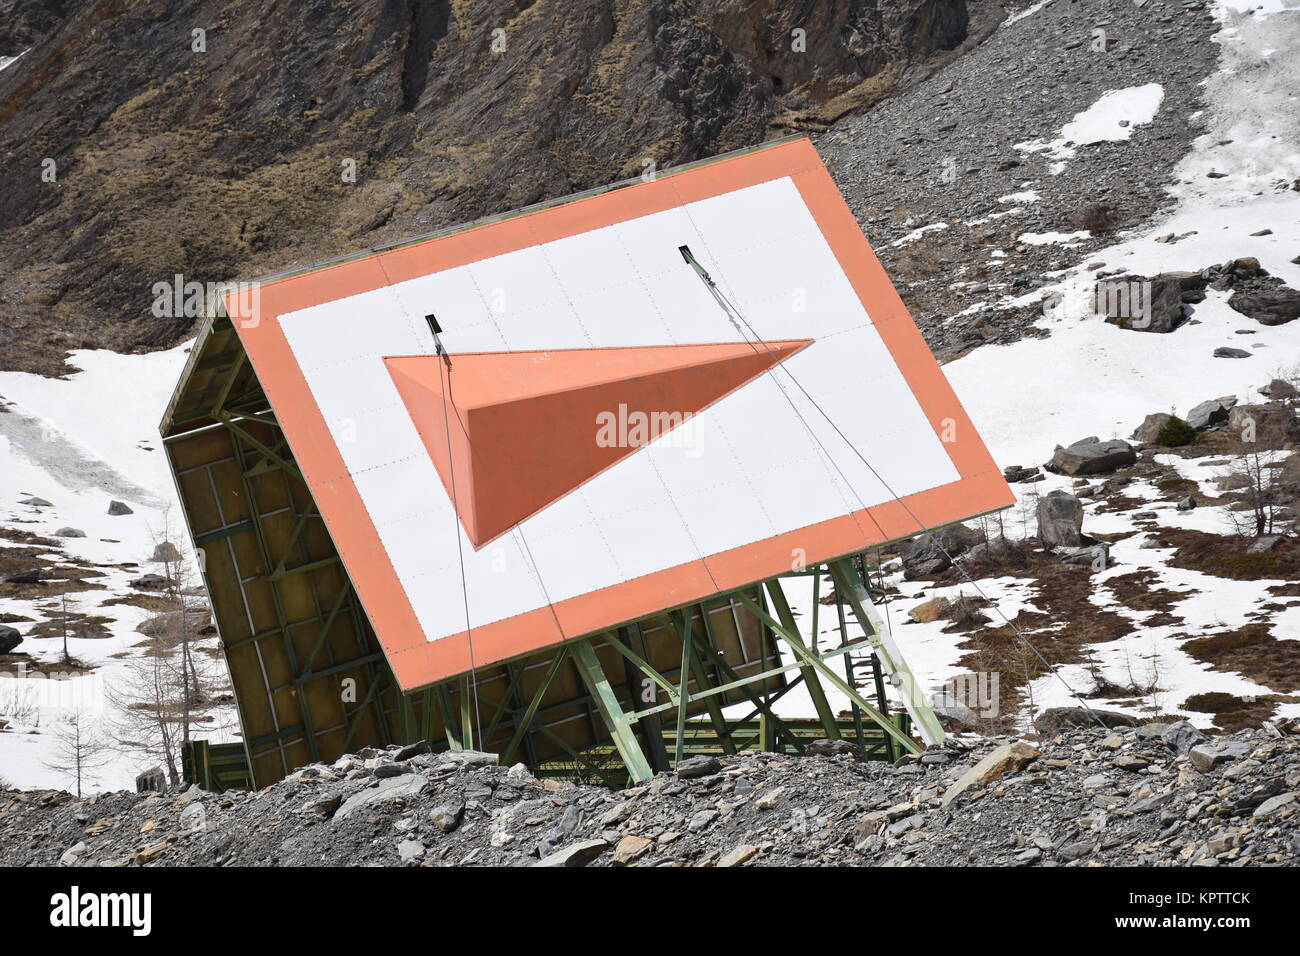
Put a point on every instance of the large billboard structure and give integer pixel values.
(447, 488)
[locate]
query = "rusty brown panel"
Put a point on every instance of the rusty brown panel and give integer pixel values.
(267, 767)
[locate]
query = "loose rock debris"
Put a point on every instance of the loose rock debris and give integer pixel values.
(1150, 795)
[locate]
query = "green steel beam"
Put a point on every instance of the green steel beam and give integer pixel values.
(611, 711)
(645, 668)
(711, 703)
(815, 690)
(525, 722)
(891, 659)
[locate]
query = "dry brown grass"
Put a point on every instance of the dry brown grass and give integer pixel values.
(1067, 624)
(1225, 556)
(1252, 652)
(1137, 590)
(1231, 712)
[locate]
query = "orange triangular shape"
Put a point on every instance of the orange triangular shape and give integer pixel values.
(527, 428)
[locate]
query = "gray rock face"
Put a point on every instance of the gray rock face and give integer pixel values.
(1093, 457)
(1060, 520)
(411, 750)
(1224, 351)
(467, 758)
(1150, 427)
(409, 850)
(1286, 481)
(1264, 544)
(1008, 758)
(1210, 412)
(1015, 474)
(69, 533)
(447, 816)
(953, 714)
(118, 508)
(1274, 805)
(1280, 391)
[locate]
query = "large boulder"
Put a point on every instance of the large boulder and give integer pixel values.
(1269, 426)
(1055, 719)
(9, 639)
(152, 582)
(1164, 429)
(933, 552)
(1092, 457)
(165, 552)
(195, 618)
(1275, 306)
(575, 854)
(1155, 305)
(1182, 736)
(1009, 758)
(1286, 480)
(1095, 556)
(1060, 520)
(1280, 390)
(1213, 411)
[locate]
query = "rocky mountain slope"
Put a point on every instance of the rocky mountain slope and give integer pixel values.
(224, 141)
(965, 183)
(1155, 795)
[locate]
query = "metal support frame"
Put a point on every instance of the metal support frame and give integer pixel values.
(818, 663)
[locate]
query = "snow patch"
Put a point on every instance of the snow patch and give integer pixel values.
(1111, 119)
(1050, 238)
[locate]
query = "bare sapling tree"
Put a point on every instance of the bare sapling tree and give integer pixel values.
(79, 750)
(1255, 473)
(67, 611)
(165, 689)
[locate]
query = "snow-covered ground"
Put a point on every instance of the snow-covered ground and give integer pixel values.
(79, 443)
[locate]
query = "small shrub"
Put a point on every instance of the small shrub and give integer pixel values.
(1176, 432)
(1097, 218)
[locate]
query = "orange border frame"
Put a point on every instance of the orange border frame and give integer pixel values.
(417, 662)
